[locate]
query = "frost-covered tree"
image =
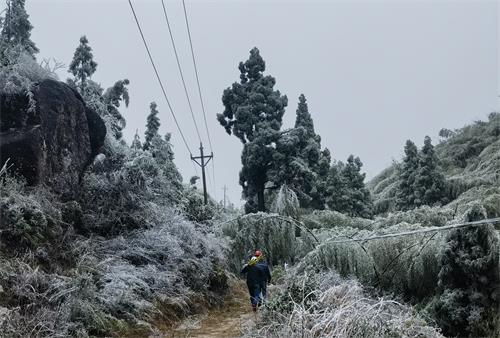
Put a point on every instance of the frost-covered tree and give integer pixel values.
(152, 125)
(469, 280)
(83, 65)
(253, 112)
(16, 31)
(405, 198)
(299, 162)
(346, 191)
(430, 185)
(112, 97)
(136, 143)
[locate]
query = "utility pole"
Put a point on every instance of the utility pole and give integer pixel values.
(225, 189)
(203, 164)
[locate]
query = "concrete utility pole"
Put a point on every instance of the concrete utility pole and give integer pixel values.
(203, 164)
(225, 189)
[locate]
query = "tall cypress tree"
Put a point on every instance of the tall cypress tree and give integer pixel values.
(430, 183)
(253, 112)
(405, 197)
(299, 161)
(152, 126)
(303, 117)
(16, 30)
(83, 65)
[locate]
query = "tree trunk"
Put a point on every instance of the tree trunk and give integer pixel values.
(261, 204)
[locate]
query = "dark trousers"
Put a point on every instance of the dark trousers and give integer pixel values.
(255, 291)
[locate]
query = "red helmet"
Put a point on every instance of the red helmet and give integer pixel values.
(257, 253)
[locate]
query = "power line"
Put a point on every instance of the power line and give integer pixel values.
(158, 77)
(196, 73)
(180, 69)
(406, 233)
(199, 93)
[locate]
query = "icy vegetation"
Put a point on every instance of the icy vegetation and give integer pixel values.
(119, 259)
(325, 305)
(135, 249)
(445, 282)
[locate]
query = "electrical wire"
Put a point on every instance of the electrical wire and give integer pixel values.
(158, 77)
(196, 73)
(180, 69)
(199, 93)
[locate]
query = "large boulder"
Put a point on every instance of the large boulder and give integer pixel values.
(53, 143)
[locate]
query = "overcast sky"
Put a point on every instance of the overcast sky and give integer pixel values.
(375, 73)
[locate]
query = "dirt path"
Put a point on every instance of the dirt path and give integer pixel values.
(226, 322)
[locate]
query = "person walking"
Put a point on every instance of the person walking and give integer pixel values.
(258, 276)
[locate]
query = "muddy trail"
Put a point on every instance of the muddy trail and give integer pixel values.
(228, 321)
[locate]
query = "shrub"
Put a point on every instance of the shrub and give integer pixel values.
(325, 305)
(469, 280)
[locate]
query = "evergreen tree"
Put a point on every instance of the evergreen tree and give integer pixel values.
(348, 193)
(253, 112)
(112, 97)
(336, 192)
(303, 118)
(136, 143)
(299, 161)
(82, 66)
(429, 184)
(16, 31)
(152, 126)
(405, 197)
(469, 280)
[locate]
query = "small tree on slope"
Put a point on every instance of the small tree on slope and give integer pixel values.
(152, 125)
(469, 280)
(136, 143)
(253, 111)
(405, 197)
(83, 65)
(346, 189)
(430, 185)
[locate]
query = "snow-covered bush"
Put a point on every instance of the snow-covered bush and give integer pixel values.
(325, 305)
(21, 74)
(117, 193)
(406, 265)
(30, 217)
(194, 207)
(469, 280)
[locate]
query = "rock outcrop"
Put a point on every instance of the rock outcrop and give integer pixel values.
(53, 143)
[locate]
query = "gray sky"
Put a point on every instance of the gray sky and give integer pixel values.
(375, 73)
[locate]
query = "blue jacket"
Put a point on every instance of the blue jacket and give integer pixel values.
(257, 274)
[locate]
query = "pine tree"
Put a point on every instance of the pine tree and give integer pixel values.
(253, 112)
(82, 66)
(136, 143)
(405, 197)
(16, 31)
(429, 184)
(152, 126)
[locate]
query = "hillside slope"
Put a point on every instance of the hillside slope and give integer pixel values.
(470, 158)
